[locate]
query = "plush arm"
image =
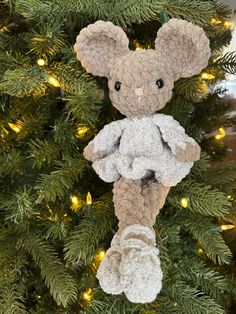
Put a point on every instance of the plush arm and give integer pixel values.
(181, 145)
(106, 141)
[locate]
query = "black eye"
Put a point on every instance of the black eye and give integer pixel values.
(160, 83)
(117, 86)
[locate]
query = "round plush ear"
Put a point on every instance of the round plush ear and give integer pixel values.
(97, 44)
(184, 46)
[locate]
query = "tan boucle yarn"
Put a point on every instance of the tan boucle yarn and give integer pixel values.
(147, 197)
(147, 152)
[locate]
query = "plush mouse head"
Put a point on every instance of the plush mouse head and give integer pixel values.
(141, 81)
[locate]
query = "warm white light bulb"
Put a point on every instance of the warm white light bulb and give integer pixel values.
(226, 227)
(184, 202)
(41, 62)
(54, 82)
(207, 76)
(89, 199)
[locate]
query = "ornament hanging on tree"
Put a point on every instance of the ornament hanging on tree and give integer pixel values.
(146, 153)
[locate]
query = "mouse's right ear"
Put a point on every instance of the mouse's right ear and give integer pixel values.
(97, 44)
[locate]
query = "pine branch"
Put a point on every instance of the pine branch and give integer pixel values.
(203, 230)
(166, 235)
(221, 176)
(11, 60)
(7, 256)
(64, 134)
(220, 40)
(92, 8)
(180, 109)
(12, 300)
(109, 304)
(201, 199)
(19, 206)
(84, 240)
(37, 10)
(58, 182)
(48, 40)
(84, 110)
(227, 63)
(210, 281)
(10, 163)
(11, 42)
(192, 89)
(190, 300)
(61, 284)
(82, 94)
(201, 166)
(24, 82)
(13, 280)
(126, 12)
(223, 11)
(56, 230)
(43, 152)
(197, 12)
(32, 124)
(71, 78)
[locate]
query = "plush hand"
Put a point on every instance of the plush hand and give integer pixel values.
(190, 153)
(89, 153)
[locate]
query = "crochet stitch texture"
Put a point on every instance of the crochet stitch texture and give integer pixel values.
(147, 152)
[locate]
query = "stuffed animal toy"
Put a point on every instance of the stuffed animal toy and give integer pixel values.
(146, 153)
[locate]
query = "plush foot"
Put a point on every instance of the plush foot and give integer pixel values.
(140, 272)
(108, 272)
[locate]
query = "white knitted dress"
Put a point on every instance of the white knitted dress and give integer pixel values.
(136, 148)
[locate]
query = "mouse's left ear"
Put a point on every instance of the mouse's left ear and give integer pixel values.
(185, 47)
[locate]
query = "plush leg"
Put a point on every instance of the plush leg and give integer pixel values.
(108, 272)
(154, 194)
(136, 205)
(129, 203)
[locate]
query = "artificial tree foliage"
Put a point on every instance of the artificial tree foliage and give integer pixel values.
(52, 235)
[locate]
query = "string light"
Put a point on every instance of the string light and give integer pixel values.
(200, 251)
(138, 46)
(228, 24)
(16, 127)
(230, 197)
(75, 202)
(215, 21)
(52, 217)
(221, 134)
(81, 131)
(89, 199)
(226, 227)
(184, 202)
(101, 255)
(207, 76)
(54, 82)
(87, 295)
(41, 62)
(3, 29)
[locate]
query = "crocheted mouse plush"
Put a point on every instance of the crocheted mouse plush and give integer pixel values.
(146, 153)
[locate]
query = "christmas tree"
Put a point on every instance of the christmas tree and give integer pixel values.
(57, 217)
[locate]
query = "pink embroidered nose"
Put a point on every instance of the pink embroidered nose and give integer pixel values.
(138, 91)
